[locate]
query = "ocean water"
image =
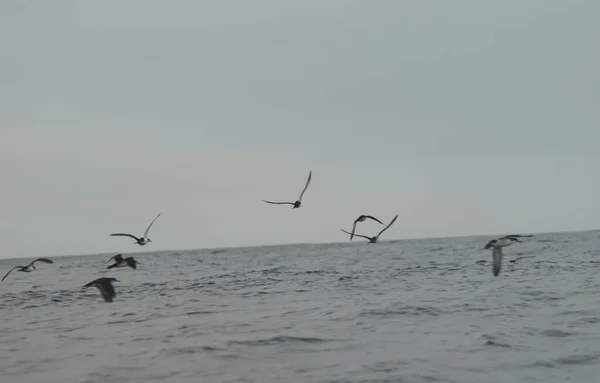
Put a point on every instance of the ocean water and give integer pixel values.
(397, 311)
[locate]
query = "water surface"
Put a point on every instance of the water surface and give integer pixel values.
(401, 311)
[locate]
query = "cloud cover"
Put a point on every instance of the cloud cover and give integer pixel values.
(463, 117)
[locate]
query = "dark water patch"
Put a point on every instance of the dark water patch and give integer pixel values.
(348, 278)
(31, 306)
(191, 350)
(80, 338)
(542, 295)
(436, 249)
(71, 328)
(584, 312)
(200, 312)
(401, 309)
(387, 367)
(553, 333)
(279, 339)
(578, 359)
(585, 321)
(317, 272)
(450, 270)
(138, 339)
(272, 270)
(496, 344)
(196, 286)
(387, 377)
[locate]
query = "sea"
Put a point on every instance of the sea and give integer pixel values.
(420, 310)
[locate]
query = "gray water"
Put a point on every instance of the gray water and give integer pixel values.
(400, 311)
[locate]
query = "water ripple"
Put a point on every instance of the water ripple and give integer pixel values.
(397, 311)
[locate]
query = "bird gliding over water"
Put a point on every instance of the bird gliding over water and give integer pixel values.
(140, 241)
(104, 285)
(29, 268)
(299, 201)
(362, 218)
(497, 244)
(123, 262)
(375, 238)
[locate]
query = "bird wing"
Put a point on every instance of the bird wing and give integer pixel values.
(124, 235)
(358, 235)
(306, 186)
(108, 287)
(497, 256)
(10, 271)
(103, 290)
(353, 229)
(131, 262)
(388, 226)
(516, 236)
(105, 287)
(374, 219)
(92, 283)
(118, 258)
(149, 226)
(279, 203)
(46, 260)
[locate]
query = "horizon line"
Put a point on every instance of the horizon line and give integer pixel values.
(292, 244)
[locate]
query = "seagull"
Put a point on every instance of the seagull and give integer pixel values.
(105, 286)
(497, 244)
(299, 201)
(362, 218)
(122, 262)
(140, 241)
(375, 238)
(29, 268)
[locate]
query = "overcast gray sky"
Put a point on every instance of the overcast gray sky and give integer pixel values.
(463, 117)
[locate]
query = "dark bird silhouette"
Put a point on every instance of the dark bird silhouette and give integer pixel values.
(496, 245)
(104, 285)
(518, 236)
(375, 238)
(123, 262)
(362, 218)
(296, 204)
(117, 257)
(29, 268)
(140, 241)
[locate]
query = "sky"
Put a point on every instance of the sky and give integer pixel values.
(464, 117)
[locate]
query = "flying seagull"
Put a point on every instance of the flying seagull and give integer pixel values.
(497, 244)
(375, 238)
(140, 241)
(299, 201)
(29, 268)
(104, 285)
(362, 218)
(123, 262)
